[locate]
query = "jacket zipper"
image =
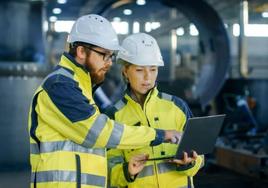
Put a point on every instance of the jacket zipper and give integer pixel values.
(155, 166)
(78, 171)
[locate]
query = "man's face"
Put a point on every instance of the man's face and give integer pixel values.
(98, 62)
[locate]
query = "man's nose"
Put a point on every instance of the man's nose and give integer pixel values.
(109, 63)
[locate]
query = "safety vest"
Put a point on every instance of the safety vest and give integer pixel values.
(162, 111)
(68, 134)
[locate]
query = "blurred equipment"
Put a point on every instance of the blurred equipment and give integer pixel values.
(214, 52)
(21, 31)
(22, 65)
(243, 146)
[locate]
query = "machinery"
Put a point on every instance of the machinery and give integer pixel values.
(243, 144)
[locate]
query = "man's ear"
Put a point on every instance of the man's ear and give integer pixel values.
(81, 53)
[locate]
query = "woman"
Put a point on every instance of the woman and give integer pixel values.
(144, 105)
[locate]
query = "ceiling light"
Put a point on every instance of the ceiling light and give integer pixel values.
(257, 30)
(193, 30)
(56, 10)
(64, 25)
(62, 1)
(116, 19)
(148, 27)
(136, 27)
(53, 18)
(155, 25)
(180, 31)
(236, 29)
(127, 12)
(120, 27)
(141, 2)
(45, 25)
(265, 14)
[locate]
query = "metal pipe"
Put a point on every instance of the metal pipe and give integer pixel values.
(173, 48)
(243, 56)
(28, 69)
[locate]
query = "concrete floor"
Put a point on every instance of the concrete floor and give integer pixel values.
(217, 177)
(212, 177)
(11, 179)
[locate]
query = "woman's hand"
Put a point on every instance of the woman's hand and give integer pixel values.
(137, 163)
(185, 160)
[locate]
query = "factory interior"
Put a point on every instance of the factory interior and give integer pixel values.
(216, 59)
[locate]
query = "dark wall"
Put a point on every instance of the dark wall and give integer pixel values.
(21, 31)
(15, 98)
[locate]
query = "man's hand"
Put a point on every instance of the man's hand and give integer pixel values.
(186, 159)
(172, 136)
(137, 163)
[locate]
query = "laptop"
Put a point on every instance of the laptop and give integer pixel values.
(199, 135)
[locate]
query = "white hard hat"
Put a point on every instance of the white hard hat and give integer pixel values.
(96, 30)
(140, 49)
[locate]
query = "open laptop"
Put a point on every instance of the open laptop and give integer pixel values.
(199, 135)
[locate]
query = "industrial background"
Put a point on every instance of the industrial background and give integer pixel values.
(216, 58)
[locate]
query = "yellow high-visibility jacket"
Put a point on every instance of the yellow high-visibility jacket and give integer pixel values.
(68, 134)
(161, 111)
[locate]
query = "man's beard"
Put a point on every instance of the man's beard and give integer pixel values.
(95, 77)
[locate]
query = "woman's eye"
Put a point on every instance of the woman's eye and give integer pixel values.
(138, 70)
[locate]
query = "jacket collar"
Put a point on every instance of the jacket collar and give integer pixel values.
(152, 94)
(69, 62)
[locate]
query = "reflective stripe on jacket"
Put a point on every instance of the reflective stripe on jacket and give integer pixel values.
(68, 134)
(161, 111)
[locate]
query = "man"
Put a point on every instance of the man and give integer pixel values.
(68, 134)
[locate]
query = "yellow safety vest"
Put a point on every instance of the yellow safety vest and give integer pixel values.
(162, 111)
(68, 134)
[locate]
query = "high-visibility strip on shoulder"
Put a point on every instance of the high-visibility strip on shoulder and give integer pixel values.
(165, 96)
(61, 71)
(67, 176)
(178, 102)
(120, 104)
(112, 109)
(48, 147)
(67, 96)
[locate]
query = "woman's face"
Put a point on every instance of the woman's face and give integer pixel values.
(141, 78)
